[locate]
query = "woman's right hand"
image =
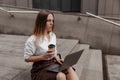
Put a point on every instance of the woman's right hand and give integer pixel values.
(47, 55)
(40, 57)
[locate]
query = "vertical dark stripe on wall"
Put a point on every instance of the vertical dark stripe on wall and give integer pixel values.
(112, 7)
(109, 6)
(15, 3)
(50, 4)
(119, 8)
(80, 6)
(27, 3)
(97, 6)
(105, 8)
(70, 5)
(101, 7)
(59, 3)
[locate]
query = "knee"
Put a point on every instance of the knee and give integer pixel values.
(70, 69)
(61, 76)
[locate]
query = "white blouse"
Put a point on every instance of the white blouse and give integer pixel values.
(42, 46)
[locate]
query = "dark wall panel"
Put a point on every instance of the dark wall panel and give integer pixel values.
(61, 5)
(66, 5)
(45, 4)
(55, 4)
(36, 3)
(75, 5)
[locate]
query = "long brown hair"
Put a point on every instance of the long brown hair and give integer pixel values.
(40, 24)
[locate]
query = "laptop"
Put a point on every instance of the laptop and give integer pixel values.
(69, 60)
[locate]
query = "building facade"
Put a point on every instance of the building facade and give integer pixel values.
(99, 7)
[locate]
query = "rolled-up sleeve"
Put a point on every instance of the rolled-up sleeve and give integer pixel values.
(29, 49)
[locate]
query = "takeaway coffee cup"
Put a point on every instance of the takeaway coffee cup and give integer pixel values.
(51, 48)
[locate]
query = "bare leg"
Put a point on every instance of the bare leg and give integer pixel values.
(71, 74)
(61, 76)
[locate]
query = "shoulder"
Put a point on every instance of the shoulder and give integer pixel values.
(53, 34)
(31, 39)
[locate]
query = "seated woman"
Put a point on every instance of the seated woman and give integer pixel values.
(36, 50)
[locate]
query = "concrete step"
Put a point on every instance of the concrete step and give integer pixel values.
(80, 47)
(90, 65)
(64, 46)
(113, 67)
(8, 73)
(83, 56)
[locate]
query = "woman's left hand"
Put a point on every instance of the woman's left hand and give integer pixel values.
(59, 60)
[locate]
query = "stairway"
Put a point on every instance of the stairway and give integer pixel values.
(13, 67)
(89, 66)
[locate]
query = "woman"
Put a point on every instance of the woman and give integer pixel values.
(36, 50)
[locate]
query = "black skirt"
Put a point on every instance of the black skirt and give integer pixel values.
(38, 71)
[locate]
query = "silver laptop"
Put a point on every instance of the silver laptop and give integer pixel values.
(69, 60)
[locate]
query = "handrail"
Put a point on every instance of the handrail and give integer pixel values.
(117, 24)
(3, 9)
(18, 11)
(23, 11)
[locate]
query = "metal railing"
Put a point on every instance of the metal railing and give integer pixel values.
(18, 11)
(106, 20)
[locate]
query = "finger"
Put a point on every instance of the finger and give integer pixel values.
(59, 62)
(50, 53)
(62, 60)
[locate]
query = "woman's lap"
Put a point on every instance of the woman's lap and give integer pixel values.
(38, 71)
(44, 75)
